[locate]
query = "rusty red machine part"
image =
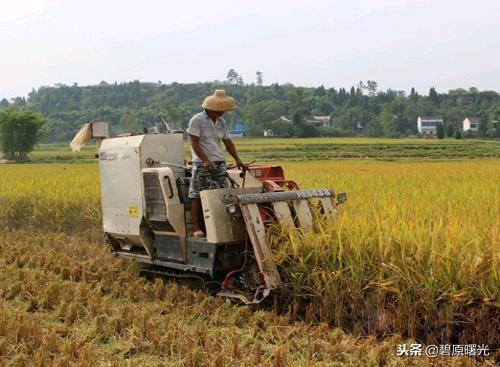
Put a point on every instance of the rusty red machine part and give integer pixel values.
(272, 177)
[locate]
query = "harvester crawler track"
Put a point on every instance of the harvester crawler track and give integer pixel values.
(195, 281)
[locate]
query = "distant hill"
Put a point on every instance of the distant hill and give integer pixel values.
(360, 110)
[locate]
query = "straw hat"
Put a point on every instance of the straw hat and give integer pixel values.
(219, 102)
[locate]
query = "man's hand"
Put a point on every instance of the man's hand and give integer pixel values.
(208, 165)
(241, 165)
(232, 150)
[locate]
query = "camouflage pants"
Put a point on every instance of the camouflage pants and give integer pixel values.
(203, 179)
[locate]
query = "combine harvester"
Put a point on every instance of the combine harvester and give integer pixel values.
(146, 214)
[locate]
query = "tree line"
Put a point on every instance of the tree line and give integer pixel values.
(362, 110)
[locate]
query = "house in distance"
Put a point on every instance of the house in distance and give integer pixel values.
(427, 125)
(471, 124)
(238, 131)
(318, 121)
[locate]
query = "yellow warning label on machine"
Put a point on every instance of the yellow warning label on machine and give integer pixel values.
(133, 212)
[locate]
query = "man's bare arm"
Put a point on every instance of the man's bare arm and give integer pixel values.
(195, 143)
(232, 150)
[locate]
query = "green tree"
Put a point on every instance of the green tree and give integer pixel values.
(494, 116)
(389, 121)
(458, 134)
(282, 129)
(259, 115)
(304, 130)
(130, 124)
(369, 88)
(483, 124)
(449, 130)
(129, 106)
(440, 131)
(372, 87)
(234, 78)
(19, 132)
(259, 78)
(297, 118)
(297, 104)
(320, 91)
(433, 96)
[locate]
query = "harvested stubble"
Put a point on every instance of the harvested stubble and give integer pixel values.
(416, 247)
(66, 302)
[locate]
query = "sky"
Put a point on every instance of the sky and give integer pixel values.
(336, 43)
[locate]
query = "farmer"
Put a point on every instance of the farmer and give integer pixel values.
(206, 129)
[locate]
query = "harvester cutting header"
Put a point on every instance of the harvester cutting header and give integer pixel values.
(199, 220)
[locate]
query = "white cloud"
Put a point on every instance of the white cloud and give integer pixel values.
(18, 12)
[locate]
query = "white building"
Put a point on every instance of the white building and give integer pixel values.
(471, 124)
(285, 118)
(318, 121)
(428, 125)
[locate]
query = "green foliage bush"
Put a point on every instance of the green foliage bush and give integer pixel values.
(449, 131)
(304, 130)
(440, 131)
(282, 129)
(19, 132)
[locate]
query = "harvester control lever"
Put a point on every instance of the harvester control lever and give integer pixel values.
(243, 175)
(171, 195)
(151, 162)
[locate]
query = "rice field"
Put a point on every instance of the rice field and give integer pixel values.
(320, 149)
(414, 256)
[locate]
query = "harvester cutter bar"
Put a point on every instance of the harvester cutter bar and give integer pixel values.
(268, 197)
(299, 202)
(256, 228)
